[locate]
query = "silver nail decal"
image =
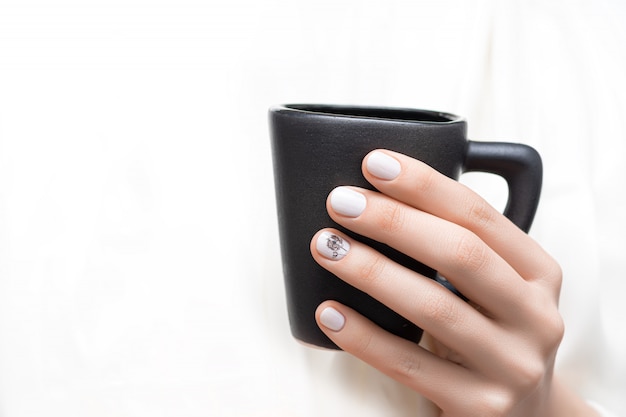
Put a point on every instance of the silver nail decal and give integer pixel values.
(332, 246)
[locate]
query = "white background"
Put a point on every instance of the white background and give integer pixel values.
(139, 264)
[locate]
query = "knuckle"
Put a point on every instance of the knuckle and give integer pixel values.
(555, 274)
(362, 345)
(392, 217)
(427, 180)
(546, 322)
(525, 374)
(440, 309)
(526, 371)
(495, 403)
(406, 367)
(372, 270)
(552, 330)
(551, 272)
(470, 252)
(479, 213)
(529, 374)
(557, 330)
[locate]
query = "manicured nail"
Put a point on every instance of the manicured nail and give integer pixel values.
(347, 202)
(331, 246)
(332, 319)
(383, 166)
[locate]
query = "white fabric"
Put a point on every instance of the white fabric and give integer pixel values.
(601, 410)
(139, 265)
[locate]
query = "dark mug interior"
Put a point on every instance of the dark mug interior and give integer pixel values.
(407, 115)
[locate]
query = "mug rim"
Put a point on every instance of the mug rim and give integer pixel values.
(393, 114)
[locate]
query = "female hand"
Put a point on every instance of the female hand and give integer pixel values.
(493, 355)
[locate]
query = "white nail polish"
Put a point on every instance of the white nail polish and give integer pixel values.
(332, 319)
(383, 166)
(331, 246)
(347, 202)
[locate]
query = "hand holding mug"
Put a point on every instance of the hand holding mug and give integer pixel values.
(319, 147)
(492, 355)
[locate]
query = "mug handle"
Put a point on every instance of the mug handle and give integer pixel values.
(521, 167)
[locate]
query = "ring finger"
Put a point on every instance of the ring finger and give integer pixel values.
(419, 299)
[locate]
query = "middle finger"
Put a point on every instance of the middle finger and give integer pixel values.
(458, 254)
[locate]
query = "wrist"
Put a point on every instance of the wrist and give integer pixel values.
(563, 401)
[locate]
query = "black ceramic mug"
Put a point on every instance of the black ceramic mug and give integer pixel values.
(319, 147)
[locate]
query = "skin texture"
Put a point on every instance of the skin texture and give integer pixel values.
(491, 356)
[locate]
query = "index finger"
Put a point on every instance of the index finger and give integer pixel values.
(417, 184)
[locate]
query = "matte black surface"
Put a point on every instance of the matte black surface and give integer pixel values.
(318, 147)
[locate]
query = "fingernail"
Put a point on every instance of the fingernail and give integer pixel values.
(332, 319)
(331, 246)
(347, 202)
(383, 166)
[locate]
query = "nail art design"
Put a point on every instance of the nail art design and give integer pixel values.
(335, 243)
(332, 246)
